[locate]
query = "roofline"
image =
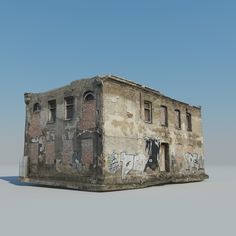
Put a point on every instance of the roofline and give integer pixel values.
(120, 80)
(145, 88)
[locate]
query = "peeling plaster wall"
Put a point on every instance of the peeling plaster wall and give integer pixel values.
(107, 145)
(133, 149)
(64, 149)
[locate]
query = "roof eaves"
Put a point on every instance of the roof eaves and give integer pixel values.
(122, 80)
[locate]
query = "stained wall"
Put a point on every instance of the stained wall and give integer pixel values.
(112, 141)
(64, 149)
(136, 151)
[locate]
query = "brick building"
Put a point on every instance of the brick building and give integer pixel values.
(106, 133)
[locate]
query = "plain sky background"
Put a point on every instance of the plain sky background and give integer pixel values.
(184, 48)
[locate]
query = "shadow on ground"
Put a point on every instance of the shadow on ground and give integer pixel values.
(14, 180)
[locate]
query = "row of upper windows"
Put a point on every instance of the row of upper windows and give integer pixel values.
(68, 106)
(164, 116)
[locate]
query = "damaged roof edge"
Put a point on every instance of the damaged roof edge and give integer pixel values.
(49, 91)
(118, 79)
(68, 86)
(130, 83)
(143, 87)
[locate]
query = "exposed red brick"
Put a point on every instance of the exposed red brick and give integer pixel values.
(88, 120)
(35, 129)
(67, 151)
(87, 152)
(50, 153)
(34, 149)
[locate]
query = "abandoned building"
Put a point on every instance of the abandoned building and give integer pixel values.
(107, 133)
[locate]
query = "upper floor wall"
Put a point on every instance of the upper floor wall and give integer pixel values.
(134, 112)
(75, 105)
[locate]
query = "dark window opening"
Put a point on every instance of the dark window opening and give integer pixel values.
(69, 108)
(148, 112)
(89, 96)
(52, 111)
(164, 116)
(36, 107)
(189, 121)
(177, 119)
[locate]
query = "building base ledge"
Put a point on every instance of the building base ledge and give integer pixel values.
(95, 187)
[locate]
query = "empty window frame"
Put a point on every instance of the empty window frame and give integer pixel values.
(177, 119)
(69, 108)
(148, 111)
(52, 111)
(189, 121)
(164, 116)
(36, 107)
(89, 96)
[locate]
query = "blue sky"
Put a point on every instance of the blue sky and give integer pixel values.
(185, 49)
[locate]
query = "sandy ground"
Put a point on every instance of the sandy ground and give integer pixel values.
(205, 208)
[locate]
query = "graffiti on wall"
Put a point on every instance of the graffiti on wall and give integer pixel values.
(153, 150)
(193, 161)
(131, 162)
(50, 136)
(58, 165)
(152, 160)
(187, 162)
(125, 162)
(135, 162)
(113, 163)
(41, 146)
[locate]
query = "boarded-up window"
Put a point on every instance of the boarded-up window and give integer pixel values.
(164, 116)
(50, 153)
(34, 153)
(148, 111)
(177, 119)
(88, 118)
(189, 121)
(52, 111)
(87, 152)
(69, 108)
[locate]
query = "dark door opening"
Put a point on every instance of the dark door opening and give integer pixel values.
(164, 157)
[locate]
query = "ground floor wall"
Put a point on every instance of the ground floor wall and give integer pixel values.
(126, 163)
(150, 161)
(72, 156)
(123, 163)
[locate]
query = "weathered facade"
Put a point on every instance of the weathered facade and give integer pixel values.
(107, 133)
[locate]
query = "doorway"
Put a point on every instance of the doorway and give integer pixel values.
(164, 157)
